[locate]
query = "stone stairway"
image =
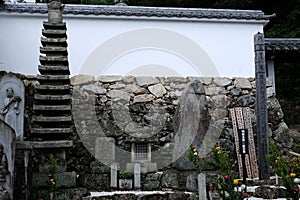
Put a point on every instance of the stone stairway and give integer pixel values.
(52, 98)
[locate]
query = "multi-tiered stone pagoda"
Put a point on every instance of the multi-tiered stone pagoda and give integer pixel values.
(52, 98)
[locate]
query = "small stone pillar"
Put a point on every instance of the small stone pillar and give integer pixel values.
(55, 9)
(114, 175)
(202, 186)
(137, 175)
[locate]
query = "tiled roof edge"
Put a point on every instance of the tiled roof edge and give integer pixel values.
(141, 11)
(282, 44)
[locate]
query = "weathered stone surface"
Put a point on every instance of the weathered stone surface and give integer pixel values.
(169, 180)
(157, 90)
(153, 197)
(206, 80)
(219, 113)
(175, 79)
(221, 100)
(117, 86)
(141, 91)
(146, 80)
(116, 95)
(270, 92)
(81, 79)
(266, 192)
(181, 196)
(130, 88)
(143, 98)
(12, 103)
(269, 82)
(281, 135)
(190, 124)
(139, 112)
(128, 79)
(109, 79)
(242, 83)
(295, 135)
(222, 81)
(94, 89)
(137, 176)
(214, 90)
(40, 180)
(7, 156)
(99, 168)
(246, 100)
(105, 150)
(151, 185)
(192, 183)
(275, 113)
(97, 182)
(202, 186)
(65, 193)
(236, 91)
(66, 179)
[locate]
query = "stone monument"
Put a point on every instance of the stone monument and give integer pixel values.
(7, 157)
(12, 103)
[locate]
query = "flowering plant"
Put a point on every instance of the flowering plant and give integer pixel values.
(283, 170)
(226, 184)
(193, 155)
(53, 169)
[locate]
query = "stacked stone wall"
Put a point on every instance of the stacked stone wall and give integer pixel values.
(105, 100)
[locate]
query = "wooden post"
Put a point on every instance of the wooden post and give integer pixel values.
(261, 106)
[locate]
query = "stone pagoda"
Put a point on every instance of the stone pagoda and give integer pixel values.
(52, 99)
(52, 128)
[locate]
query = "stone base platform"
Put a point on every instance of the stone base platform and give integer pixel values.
(141, 195)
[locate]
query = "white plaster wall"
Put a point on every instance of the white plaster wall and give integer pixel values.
(141, 47)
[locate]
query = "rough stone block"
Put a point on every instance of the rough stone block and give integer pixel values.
(66, 179)
(99, 182)
(40, 180)
(99, 168)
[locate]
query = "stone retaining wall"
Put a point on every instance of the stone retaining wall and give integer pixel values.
(106, 107)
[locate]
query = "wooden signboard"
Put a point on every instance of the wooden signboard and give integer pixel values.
(241, 120)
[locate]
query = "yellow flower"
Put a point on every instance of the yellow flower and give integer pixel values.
(292, 174)
(218, 148)
(194, 150)
(235, 181)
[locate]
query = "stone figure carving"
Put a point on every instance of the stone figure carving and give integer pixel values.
(12, 103)
(11, 108)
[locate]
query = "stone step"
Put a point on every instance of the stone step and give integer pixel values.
(51, 130)
(44, 59)
(52, 119)
(52, 107)
(52, 97)
(54, 68)
(53, 87)
(55, 33)
(56, 41)
(46, 50)
(48, 25)
(52, 77)
(29, 145)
